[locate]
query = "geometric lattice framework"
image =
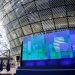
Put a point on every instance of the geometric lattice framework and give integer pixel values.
(28, 17)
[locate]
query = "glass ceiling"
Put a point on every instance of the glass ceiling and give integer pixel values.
(19, 18)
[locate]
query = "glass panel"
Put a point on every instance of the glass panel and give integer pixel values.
(45, 14)
(6, 20)
(1, 2)
(6, 28)
(15, 24)
(71, 10)
(30, 7)
(27, 29)
(33, 17)
(19, 48)
(21, 40)
(59, 12)
(61, 23)
(12, 45)
(3, 12)
(48, 25)
(8, 7)
(70, 1)
(19, 32)
(15, 51)
(42, 4)
(13, 1)
(71, 21)
(18, 4)
(26, 1)
(14, 6)
(19, 11)
(55, 3)
(36, 27)
(13, 34)
(10, 27)
(23, 21)
(12, 16)
(5, 1)
(17, 42)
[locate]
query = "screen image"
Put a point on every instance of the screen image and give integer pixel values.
(57, 45)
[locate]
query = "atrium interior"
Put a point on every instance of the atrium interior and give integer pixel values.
(22, 18)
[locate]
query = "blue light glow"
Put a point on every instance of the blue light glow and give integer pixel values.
(57, 45)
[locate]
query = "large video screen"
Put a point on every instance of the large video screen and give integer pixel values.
(56, 45)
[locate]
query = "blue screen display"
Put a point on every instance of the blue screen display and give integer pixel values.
(56, 45)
